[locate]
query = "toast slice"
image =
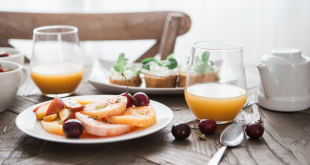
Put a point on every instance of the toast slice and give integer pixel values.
(182, 80)
(160, 82)
(135, 81)
(203, 78)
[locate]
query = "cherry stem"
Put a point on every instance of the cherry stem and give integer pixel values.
(201, 136)
(193, 128)
(127, 88)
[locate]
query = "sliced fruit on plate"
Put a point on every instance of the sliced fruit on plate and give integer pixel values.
(56, 105)
(41, 112)
(85, 101)
(50, 117)
(64, 113)
(53, 127)
(109, 106)
(143, 116)
(74, 105)
(100, 128)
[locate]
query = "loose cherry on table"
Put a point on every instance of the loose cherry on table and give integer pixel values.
(207, 126)
(255, 130)
(181, 131)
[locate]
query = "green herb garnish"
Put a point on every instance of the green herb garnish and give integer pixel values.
(69, 114)
(60, 121)
(99, 123)
(100, 106)
(201, 65)
(120, 65)
(170, 62)
(141, 113)
(93, 117)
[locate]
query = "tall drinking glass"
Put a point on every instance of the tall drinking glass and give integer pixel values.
(57, 62)
(216, 85)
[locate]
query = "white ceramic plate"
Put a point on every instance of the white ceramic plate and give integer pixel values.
(99, 78)
(26, 122)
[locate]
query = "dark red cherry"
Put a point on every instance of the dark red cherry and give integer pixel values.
(130, 101)
(73, 128)
(142, 99)
(207, 126)
(181, 131)
(254, 130)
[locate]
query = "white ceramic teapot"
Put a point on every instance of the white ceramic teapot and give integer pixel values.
(285, 80)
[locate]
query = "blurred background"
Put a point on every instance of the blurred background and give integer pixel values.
(258, 25)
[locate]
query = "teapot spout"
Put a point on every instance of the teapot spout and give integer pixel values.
(269, 82)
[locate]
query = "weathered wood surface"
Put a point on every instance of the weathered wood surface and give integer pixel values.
(286, 139)
(163, 26)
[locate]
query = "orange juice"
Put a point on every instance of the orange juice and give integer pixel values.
(220, 102)
(57, 78)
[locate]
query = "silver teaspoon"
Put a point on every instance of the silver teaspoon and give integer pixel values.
(231, 136)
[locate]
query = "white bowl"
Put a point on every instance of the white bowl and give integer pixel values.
(18, 56)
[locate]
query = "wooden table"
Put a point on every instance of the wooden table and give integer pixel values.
(286, 139)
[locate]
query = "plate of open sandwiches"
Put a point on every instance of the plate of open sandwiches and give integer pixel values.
(151, 76)
(94, 118)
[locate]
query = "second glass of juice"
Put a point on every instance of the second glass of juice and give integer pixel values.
(216, 85)
(57, 61)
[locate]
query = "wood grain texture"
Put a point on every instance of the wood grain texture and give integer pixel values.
(286, 139)
(115, 26)
(163, 26)
(170, 33)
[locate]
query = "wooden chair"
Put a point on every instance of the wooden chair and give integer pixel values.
(164, 26)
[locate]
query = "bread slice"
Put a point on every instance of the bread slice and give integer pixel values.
(160, 82)
(182, 80)
(134, 82)
(203, 78)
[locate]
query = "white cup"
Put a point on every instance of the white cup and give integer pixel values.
(15, 55)
(9, 82)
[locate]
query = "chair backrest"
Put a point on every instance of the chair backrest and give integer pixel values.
(164, 26)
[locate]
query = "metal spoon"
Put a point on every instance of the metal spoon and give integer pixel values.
(231, 136)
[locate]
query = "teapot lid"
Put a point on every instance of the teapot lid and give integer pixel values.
(290, 54)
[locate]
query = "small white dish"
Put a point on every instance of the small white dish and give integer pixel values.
(99, 78)
(15, 55)
(10, 82)
(26, 122)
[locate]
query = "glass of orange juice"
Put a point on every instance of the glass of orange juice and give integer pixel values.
(216, 85)
(56, 64)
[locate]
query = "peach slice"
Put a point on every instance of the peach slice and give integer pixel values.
(53, 127)
(56, 105)
(41, 112)
(85, 101)
(50, 117)
(64, 113)
(74, 105)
